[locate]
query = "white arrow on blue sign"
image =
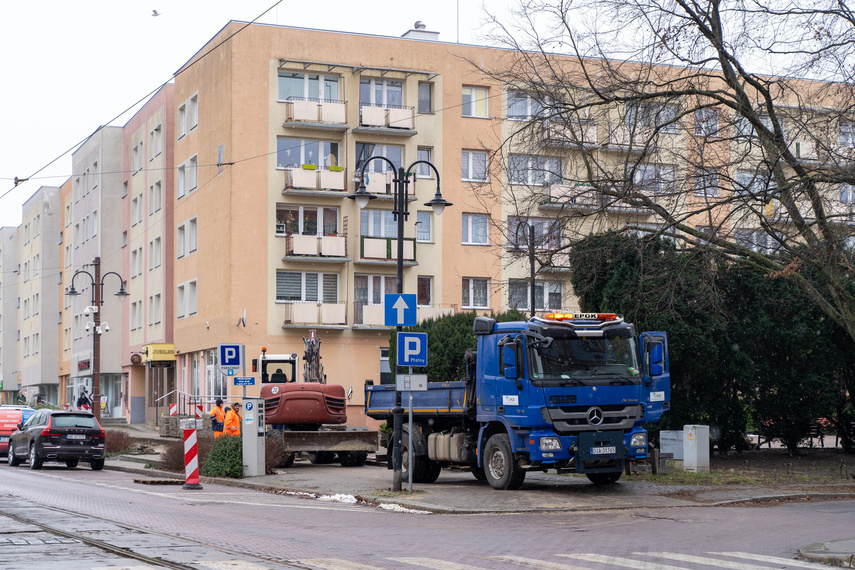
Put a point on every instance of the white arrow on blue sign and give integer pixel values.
(400, 310)
(412, 349)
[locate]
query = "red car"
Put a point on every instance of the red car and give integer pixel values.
(10, 417)
(54, 435)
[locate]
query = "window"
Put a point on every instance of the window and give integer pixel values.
(94, 227)
(181, 123)
(155, 198)
(533, 170)
(424, 288)
(547, 295)
(707, 231)
(180, 301)
(754, 239)
(154, 309)
(370, 290)
(136, 315)
(423, 226)
(185, 238)
(547, 233)
(192, 173)
(424, 171)
(706, 182)
(474, 102)
(475, 229)
(475, 293)
(295, 287)
(193, 112)
(135, 211)
(651, 116)
(847, 133)
(381, 92)
(180, 237)
(191, 235)
(753, 183)
(155, 142)
(392, 152)
(293, 153)
(306, 220)
(473, 166)
(706, 122)
(847, 194)
(425, 98)
(654, 179)
(136, 158)
(181, 182)
(186, 301)
(522, 106)
(378, 223)
(313, 86)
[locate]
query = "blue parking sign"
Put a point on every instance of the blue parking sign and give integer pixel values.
(230, 358)
(412, 349)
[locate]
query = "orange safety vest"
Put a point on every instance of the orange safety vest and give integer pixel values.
(218, 415)
(233, 420)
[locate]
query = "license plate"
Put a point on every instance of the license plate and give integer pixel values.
(4, 438)
(603, 450)
(75, 436)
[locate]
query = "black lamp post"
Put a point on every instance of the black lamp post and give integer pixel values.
(97, 301)
(401, 211)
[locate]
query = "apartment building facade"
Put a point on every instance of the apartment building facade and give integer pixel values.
(9, 307)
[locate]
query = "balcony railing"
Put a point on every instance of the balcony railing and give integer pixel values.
(620, 136)
(315, 246)
(375, 315)
(560, 134)
(385, 249)
(314, 179)
(387, 116)
(316, 111)
(315, 314)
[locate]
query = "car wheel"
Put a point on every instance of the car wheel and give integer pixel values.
(35, 461)
(97, 464)
(71, 463)
(14, 460)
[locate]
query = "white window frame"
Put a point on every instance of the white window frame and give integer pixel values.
(469, 284)
(706, 182)
(471, 96)
(320, 95)
(424, 226)
(282, 228)
(468, 165)
(305, 294)
(324, 149)
(523, 98)
(546, 289)
(547, 233)
(419, 280)
(468, 224)
(536, 170)
(423, 170)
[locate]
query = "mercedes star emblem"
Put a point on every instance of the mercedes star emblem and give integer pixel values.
(595, 416)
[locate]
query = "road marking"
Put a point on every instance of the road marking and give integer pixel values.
(336, 564)
(703, 560)
(435, 564)
(228, 564)
(531, 563)
(772, 559)
(624, 562)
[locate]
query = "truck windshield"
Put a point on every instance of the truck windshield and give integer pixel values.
(581, 358)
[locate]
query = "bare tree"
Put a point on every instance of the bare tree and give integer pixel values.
(654, 119)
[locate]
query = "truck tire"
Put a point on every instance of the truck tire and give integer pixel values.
(321, 457)
(502, 469)
(287, 460)
(603, 478)
(417, 462)
(432, 471)
(352, 458)
(478, 472)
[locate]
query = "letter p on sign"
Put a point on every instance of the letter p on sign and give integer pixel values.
(412, 349)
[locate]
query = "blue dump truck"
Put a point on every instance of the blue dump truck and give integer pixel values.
(565, 391)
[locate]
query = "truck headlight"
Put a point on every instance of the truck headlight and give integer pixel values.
(638, 440)
(550, 444)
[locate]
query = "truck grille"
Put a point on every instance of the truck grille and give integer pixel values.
(335, 405)
(573, 419)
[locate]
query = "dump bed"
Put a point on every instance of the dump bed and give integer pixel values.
(440, 399)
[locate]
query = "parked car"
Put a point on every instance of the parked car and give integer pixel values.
(10, 417)
(56, 435)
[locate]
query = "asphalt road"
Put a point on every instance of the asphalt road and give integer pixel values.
(79, 518)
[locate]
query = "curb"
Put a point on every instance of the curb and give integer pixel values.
(834, 552)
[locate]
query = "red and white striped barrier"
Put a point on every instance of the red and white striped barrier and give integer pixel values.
(173, 409)
(198, 411)
(191, 456)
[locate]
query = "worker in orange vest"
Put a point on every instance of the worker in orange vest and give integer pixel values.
(233, 420)
(218, 418)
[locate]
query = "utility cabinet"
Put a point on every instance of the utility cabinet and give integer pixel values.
(696, 448)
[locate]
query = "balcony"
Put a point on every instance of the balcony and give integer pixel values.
(389, 120)
(368, 316)
(316, 114)
(316, 248)
(315, 179)
(315, 314)
(621, 138)
(385, 250)
(805, 149)
(559, 134)
(577, 196)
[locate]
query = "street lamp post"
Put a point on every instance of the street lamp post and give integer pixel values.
(401, 212)
(97, 302)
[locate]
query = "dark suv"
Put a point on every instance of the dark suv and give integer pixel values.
(53, 435)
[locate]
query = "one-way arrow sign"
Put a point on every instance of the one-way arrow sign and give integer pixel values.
(400, 310)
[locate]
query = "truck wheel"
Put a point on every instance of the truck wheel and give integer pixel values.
(321, 457)
(603, 478)
(417, 462)
(502, 469)
(432, 471)
(352, 458)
